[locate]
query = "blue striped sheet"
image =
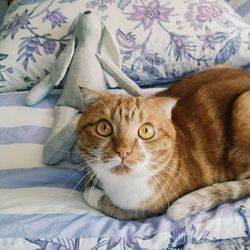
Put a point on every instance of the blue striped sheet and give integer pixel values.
(72, 225)
(244, 8)
(24, 134)
(69, 225)
(18, 99)
(42, 177)
(24, 130)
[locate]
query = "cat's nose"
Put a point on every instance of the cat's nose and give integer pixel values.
(123, 152)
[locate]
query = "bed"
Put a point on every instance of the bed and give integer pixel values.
(41, 206)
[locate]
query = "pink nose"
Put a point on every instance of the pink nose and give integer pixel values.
(123, 152)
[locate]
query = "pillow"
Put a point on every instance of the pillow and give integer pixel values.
(160, 41)
(242, 8)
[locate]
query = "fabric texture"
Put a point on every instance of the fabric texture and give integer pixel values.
(160, 41)
(41, 207)
(242, 7)
(3, 8)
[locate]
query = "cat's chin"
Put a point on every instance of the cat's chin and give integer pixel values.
(121, 169)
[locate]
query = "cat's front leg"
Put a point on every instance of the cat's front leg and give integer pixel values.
(92, 197)
(97, 199)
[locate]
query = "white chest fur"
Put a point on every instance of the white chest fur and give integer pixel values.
(127, 192)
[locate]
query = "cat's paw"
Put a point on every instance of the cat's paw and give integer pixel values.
(195, 202)
(183, 207)
(92, 197)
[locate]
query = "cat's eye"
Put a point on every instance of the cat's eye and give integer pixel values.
(146, 131)
(104, 128)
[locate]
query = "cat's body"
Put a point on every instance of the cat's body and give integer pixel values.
(203, 140)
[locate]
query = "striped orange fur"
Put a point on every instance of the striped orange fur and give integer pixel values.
(201, 137)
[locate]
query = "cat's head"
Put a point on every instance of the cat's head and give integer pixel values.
(126, 135)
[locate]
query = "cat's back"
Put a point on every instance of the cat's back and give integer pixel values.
(210, 92)
(232, 79)
(202, 116)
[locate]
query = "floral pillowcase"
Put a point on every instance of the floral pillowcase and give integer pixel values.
(160, 40)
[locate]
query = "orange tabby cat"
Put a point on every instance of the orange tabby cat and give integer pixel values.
(147, 152)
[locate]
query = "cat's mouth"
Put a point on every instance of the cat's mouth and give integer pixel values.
(121, 169)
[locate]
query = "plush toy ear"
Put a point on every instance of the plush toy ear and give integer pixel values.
(166, 104)
(123, 81)
(57, 73)
(109, 49)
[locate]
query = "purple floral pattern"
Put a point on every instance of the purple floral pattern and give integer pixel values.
(147, 14)
(55, 17)
(101, 5)
(55, 244)
(209, 39)
(18, 22)
(30, 47)
(3, 69)
(231, 47)
(183, 47)
(147, 61)
(207, 13)
(159, 40)
(49, 46)
(238, 244)
(177, 240)
(200, 13)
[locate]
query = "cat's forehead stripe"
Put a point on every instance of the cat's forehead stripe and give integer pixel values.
(126, 109)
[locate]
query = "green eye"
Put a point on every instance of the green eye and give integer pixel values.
(104, 128)
(146, 131)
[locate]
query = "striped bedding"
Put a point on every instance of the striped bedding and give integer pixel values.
(41, 207)
(242, 7)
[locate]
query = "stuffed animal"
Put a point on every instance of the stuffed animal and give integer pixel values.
(91, 48)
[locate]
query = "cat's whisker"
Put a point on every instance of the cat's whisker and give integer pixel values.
(97, 178)
(169, 167)
(176, 171)
(155, 204)
(75, 167)
(164, 160)
(69, 178)
(163, 193)
(169, 185)
(69, 196)
(90, 161)
(93, 174)
(77, 172)
(180, 175)
(92, 186)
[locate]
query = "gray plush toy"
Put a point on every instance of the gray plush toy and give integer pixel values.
(90, 59)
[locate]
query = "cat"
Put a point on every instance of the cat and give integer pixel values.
(181, 151)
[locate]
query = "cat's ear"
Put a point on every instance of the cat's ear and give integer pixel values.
(90, 96)
(166, 104)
